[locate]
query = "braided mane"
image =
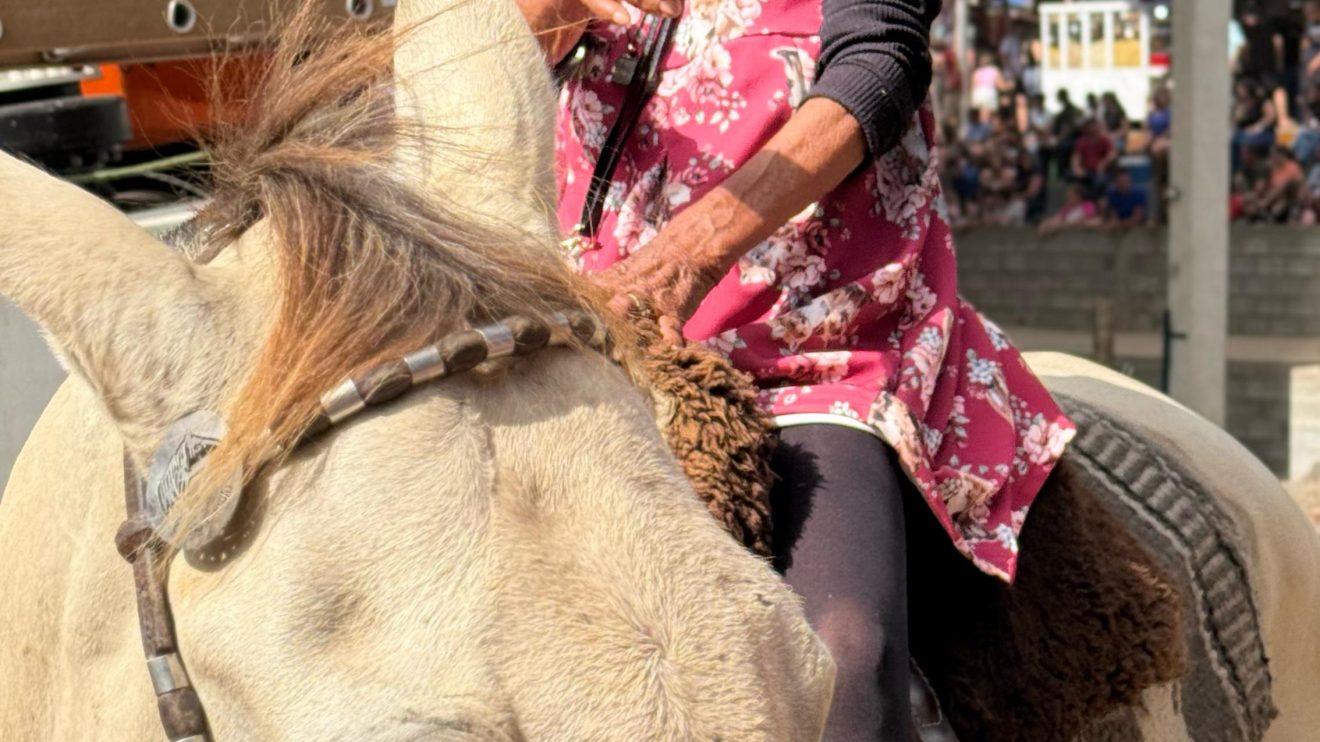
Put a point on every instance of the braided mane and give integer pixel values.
(369, 266)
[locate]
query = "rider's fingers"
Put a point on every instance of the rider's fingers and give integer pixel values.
(667, 8)
(621, 304)
(671, 329)
(612, 10)
(615, 11)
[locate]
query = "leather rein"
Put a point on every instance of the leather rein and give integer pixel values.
(143, 542)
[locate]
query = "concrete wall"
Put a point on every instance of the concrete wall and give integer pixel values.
(1045, 291)
(29, 375)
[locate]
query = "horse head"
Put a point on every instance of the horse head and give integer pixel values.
(508, 555)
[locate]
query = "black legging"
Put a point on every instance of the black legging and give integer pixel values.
(841, 544)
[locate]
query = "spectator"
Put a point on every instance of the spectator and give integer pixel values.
(1126, 205)
(1093, 156)
(1114, 118)
(1001, 205)
(987, 83)
(1078, 211)
(1310, 61)
(1308, 206)
(1031, 82)
(1067, 125)
(1272, 199)
(1306, 145)
(1036, 128)
(1010, 55)
(1031, 186)
(978, 131)
(966, 179)
(1159, 121)
(1254, 119)
(1159, 126)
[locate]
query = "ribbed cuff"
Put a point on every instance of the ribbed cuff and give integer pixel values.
(875, 92)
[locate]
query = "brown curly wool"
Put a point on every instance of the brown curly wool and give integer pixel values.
(708, 413)
(1091, 621)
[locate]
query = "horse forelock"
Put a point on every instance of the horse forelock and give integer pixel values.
(370, 266)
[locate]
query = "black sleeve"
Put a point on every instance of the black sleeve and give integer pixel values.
(875, 62)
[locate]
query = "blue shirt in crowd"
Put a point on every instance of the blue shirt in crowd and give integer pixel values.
(1124, 205)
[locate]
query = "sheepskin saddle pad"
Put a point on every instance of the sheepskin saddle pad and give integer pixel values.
(709, 416)
(1225, 692)
(1131, 575)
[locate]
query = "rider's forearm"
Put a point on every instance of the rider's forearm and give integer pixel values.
(819, 146)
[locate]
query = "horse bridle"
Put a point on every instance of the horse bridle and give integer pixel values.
(143, 543)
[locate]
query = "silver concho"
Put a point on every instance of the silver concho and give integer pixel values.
(180, 454)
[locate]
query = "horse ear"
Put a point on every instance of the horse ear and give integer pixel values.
(474, 78)
(122, 310)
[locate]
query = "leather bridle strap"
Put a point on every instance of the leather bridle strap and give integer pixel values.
(644, 78)
(181, 712)
(137, 540)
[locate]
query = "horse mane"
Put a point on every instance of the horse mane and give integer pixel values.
(369, 265)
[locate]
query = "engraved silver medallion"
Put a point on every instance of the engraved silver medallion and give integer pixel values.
(180, 455)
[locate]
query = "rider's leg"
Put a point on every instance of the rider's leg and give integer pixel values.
(840, 542)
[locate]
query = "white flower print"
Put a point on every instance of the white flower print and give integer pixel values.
(1045, 441)
(807, 272)
(921, 363)
(762, 263)
(906, 178)
(887, 284)
(967, 495)
(709, 76)
(708, 21)
(726, 342)
(981, 371)
(933, 439)
(844, 409)
(638, 223)
(957, 423)
(1006, 537)
(987, 381)
(589, 114)
(831, 366)
(828, 317)
(921, 300)
(997, 338)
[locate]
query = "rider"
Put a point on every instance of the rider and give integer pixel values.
(779, 200)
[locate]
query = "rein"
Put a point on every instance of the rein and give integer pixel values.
(141, 540)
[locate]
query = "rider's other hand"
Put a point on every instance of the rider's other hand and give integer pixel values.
(615, 10)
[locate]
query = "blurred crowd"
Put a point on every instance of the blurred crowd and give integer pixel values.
(1089, 164)
(1013, 163)
(1276, 121)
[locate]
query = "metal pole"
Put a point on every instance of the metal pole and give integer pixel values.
(1198, 209)
(960, 21)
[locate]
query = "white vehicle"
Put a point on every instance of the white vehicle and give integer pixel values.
(1098, 47)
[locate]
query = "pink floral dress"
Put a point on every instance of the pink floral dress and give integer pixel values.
(849, 314)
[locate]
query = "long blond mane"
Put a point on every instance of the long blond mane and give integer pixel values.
(369, 266)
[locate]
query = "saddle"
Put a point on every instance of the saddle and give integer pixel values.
(1100, 609)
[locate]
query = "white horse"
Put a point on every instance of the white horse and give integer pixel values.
(507, 555)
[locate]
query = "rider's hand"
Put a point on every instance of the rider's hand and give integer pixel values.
(666, 278)
(558, 24)
(614, 10)
(541, 14)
